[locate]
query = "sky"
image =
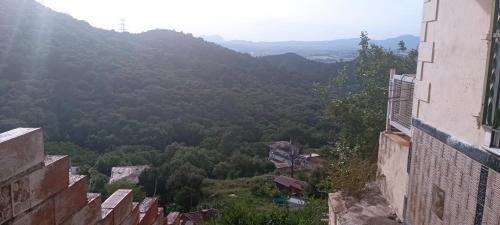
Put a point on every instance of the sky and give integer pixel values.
(253, 20)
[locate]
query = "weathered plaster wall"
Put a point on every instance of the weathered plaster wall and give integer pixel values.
(452, 66)
(392, 176)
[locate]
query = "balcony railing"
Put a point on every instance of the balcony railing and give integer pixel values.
(399, 109)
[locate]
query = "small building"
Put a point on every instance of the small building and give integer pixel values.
(128, 173)
(197, 218)
(295, 202)
(291, 185)
(282, 153)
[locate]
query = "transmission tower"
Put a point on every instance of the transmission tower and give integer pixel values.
(123, 26)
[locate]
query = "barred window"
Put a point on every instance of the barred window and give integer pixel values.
(491, 111)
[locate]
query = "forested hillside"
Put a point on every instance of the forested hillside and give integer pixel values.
(101, 88)
(189, 108)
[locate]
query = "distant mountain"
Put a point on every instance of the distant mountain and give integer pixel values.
(325, 51)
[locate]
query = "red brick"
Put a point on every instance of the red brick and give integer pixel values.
(133, 217)
(148, 210)
(160, 219)
(5, 203)
(72, 199)
(121, 204)
(88, 215)
(20, 195)
(49, 180)
(106, 217)
(41, 215)
(21, 149)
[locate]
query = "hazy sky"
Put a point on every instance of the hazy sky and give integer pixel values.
(256, 20)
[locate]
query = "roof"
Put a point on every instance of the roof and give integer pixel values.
(199, 217)
(290, 182)
(284, 146)
(296, 201)
(312, 155)
(129, 173)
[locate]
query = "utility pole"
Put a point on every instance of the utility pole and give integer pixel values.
(123, 26)
(293, 156)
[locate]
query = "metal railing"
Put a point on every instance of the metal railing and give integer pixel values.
(400, 105)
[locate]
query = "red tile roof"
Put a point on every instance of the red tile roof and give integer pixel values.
(290, 182)
(200, 216)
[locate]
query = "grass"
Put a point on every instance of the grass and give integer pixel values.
(260, 190)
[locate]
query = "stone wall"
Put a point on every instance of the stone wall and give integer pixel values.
(392, 176)
(37, 190)
(451, 182)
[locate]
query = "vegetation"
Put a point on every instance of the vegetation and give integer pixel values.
(200, 115)
(243, 212)
(361, 113)
(190, 109)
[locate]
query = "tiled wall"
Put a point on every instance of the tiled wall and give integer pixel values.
(467, 176)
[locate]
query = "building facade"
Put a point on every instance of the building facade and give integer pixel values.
(453, 162)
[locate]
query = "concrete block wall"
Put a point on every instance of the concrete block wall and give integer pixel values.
(392, 175)
(37, 190)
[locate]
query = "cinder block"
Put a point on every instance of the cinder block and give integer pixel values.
(21, 149)
(133, 217)
(49, 180)
(148, 210)
(120, 203)
(43, 214)
(89, 214)
(72, 199)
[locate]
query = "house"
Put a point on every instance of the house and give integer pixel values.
(439, 155)
(282, 153)
(129, 173)
(197, 218)
(290, 185)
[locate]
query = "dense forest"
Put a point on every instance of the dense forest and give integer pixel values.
(160, 97)
(195, 111)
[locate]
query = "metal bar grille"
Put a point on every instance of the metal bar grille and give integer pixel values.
(491, 111)
(401, 102)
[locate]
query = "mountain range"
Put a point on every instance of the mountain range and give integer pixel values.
(323, 51)
(100, 88)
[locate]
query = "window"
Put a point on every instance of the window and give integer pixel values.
(491, 110)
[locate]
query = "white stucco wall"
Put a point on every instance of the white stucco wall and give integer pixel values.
(452, 66)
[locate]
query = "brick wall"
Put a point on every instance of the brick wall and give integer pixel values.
(37, 190)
